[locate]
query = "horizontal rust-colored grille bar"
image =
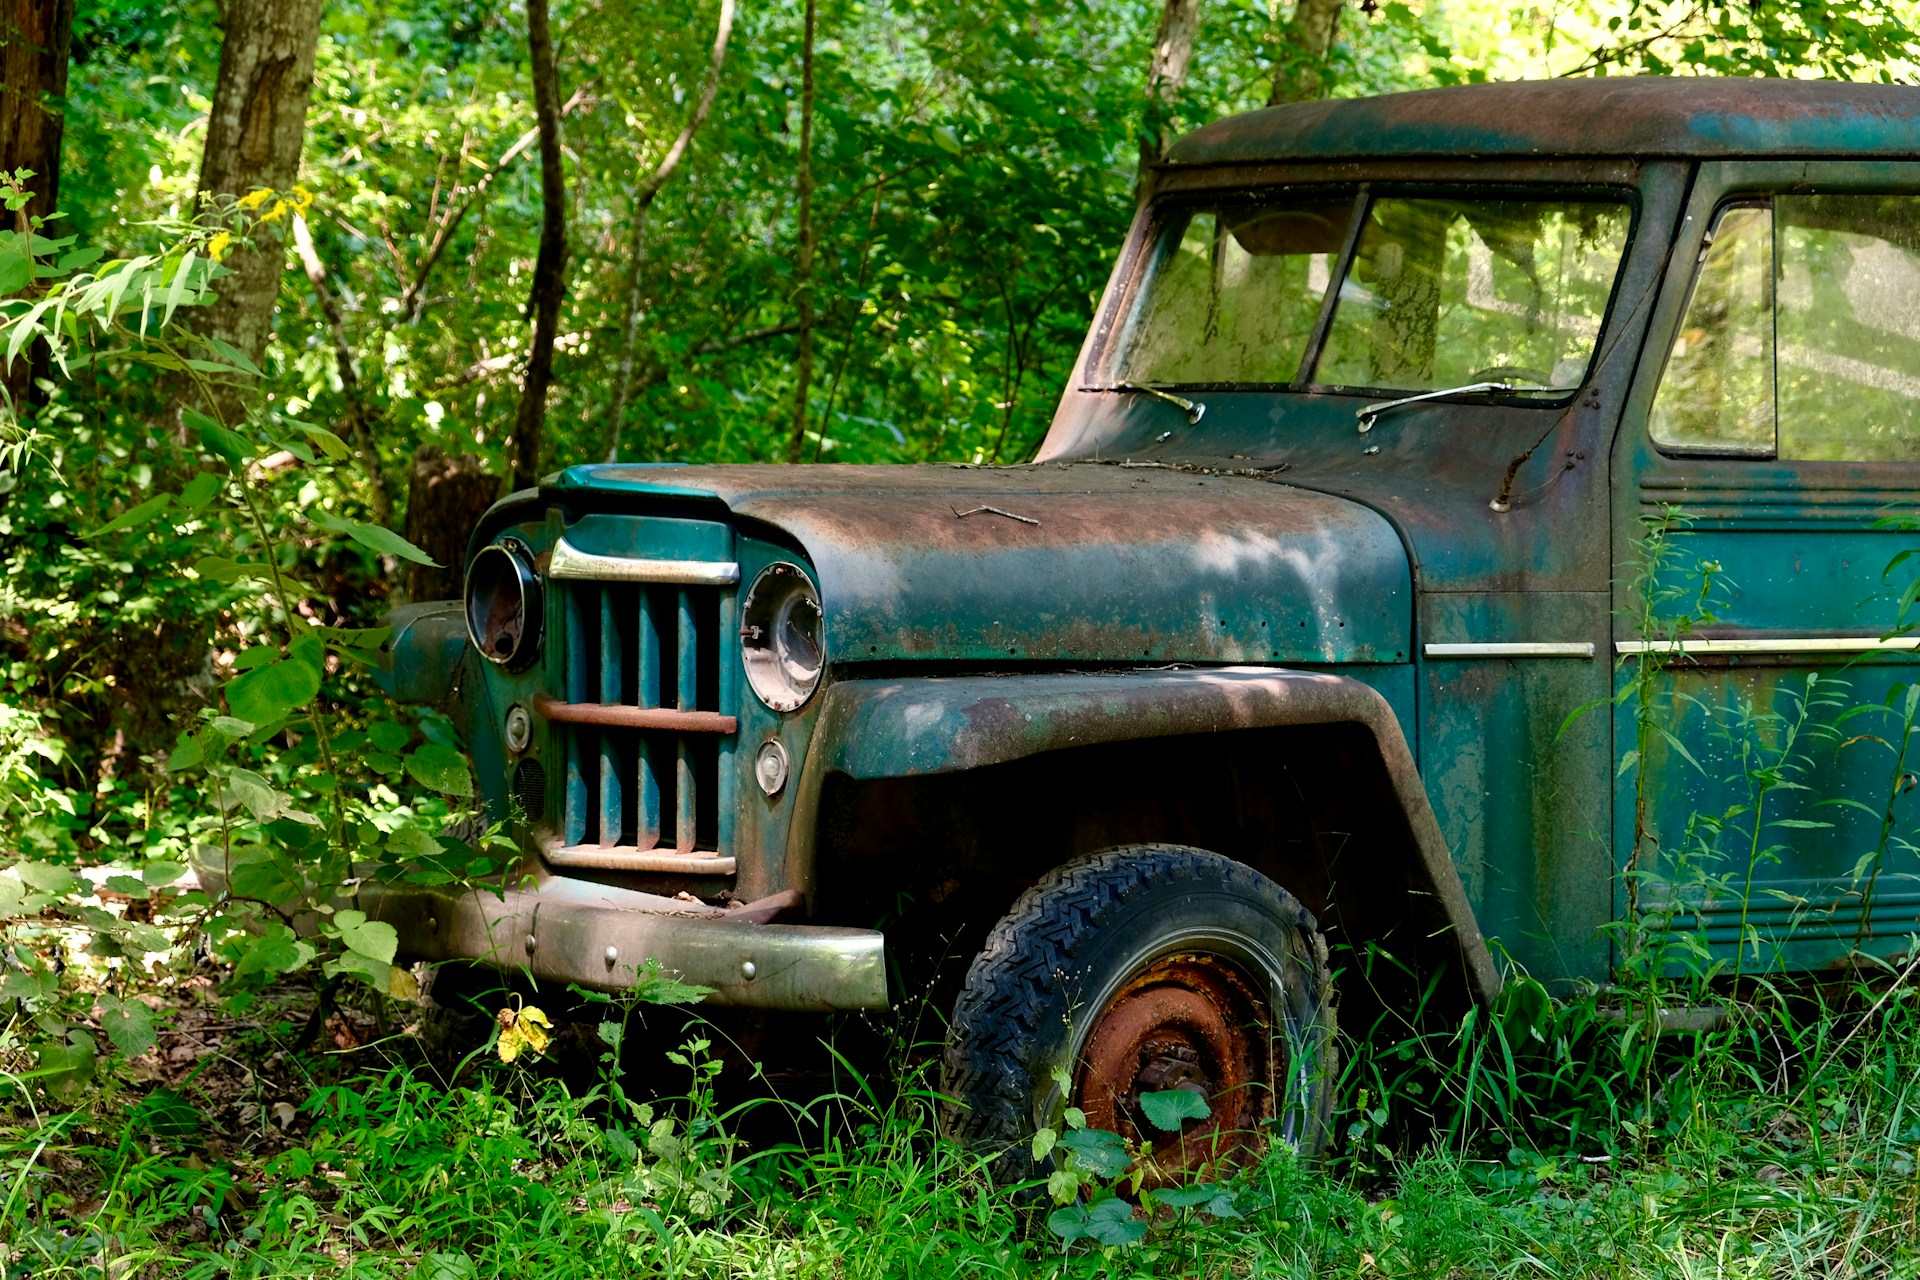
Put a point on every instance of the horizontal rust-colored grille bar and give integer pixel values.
(621, 717)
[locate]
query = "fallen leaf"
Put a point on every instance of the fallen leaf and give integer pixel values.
(283, 1113)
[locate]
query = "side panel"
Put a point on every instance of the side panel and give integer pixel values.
(1518, 776)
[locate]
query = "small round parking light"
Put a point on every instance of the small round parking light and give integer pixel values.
(782, 637)
(503, 605)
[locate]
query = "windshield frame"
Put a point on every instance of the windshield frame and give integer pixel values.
(1155, 243)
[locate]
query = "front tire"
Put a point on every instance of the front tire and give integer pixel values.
(1142, 969)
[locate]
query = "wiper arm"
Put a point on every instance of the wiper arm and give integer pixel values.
(1368, 413)
(1192, 408)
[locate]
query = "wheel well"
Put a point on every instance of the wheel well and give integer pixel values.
(937, 859)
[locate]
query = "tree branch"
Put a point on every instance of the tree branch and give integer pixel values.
(359, 428)
(642, 201)
(549, 284)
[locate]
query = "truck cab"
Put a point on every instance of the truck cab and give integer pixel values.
(1459, 494)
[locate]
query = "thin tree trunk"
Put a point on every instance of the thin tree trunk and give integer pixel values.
(34, 39)
(1300, 70)
(1166, 77)
(254, 133)
(549, 268)
(803, 264)
(360, 414)
(642, 201)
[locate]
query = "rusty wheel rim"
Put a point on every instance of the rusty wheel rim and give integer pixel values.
(1194, 1021)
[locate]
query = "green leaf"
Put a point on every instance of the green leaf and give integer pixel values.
(201, 489)
(128, 1024)
(274, 951)
(330, 444)
(1112, 1222)
(272, 692)
(248, 788)
(375, 938)
(258, 656)
(16, 269)
(1043, 1140)
(389, 736)
(234, 356)
(374, 537)
(178, 288)
(138, 514)
(1169, 1109)
(47, 878)
(66, 1068)
(1101, 1153)
(441, 769)
(187, 754)
(230, 446)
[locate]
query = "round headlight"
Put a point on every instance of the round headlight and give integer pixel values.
(503, 605)
(782, 637)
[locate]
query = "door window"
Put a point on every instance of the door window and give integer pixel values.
(1801, 339)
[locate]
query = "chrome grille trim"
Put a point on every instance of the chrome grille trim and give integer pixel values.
(571, 564)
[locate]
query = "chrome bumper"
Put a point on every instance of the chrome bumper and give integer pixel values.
(561, 929)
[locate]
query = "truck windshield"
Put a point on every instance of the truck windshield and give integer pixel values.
(1439, 292)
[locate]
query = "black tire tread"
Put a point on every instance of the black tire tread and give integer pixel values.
(997, 1017)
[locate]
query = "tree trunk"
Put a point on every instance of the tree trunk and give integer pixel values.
(1166, 76)
(254, 133)
(803, 263)
(549, 268)
(34, 39)
(1300, 70)
(642, 201)
(446, 496)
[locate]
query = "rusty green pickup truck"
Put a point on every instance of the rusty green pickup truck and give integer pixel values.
(1299, 642)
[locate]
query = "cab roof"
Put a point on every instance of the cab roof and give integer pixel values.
(1611, 116)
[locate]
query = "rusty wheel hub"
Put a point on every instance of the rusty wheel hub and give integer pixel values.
(1191, 1022)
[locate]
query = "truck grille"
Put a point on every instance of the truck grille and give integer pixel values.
(641, 733)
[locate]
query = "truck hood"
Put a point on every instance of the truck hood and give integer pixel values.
(1074, 562)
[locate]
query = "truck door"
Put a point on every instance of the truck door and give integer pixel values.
(1770, 453)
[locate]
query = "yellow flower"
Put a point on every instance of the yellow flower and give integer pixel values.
(280, 210)
(254, 198)
(302, 198)
(217, 247)
(524, 1029)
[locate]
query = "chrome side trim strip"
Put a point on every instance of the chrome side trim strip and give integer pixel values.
(1773, 644)
(568, 561)
(1513, 649)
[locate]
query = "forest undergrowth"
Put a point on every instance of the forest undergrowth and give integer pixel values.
(1540, 1142)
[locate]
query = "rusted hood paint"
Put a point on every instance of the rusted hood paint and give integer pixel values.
(1066, 562)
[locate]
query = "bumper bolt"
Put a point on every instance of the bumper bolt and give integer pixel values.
(532, 942)
(748, 970)
(613, 953)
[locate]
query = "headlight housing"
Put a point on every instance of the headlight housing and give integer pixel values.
(783, 637)
(504, 605)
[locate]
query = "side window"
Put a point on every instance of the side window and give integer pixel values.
(1849, 327)
(1717, 395)
(1802, 337)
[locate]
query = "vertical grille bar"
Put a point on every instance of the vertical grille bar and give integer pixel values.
(612, 801)
(647, 694)
(685, 812)
(574, 810)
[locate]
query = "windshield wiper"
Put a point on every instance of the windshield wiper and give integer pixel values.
(1192, 408)
(1368, 413)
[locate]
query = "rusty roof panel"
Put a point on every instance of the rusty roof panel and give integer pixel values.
(1612, 116)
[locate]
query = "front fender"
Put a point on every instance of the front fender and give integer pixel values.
(872, 729)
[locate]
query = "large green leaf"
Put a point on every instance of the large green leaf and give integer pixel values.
(1169, 1109)
(375, 938)
(129, 1024)
(272, 692)
(374, 537)
(441, 768)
